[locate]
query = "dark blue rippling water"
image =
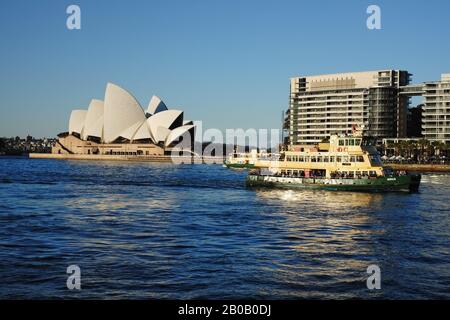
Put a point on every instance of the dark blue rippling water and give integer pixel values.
(146, 230)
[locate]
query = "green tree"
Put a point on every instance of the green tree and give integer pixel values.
(397, 147)
(410, 148)
(423, 146)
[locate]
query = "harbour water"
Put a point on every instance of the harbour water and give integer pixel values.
(157, 231)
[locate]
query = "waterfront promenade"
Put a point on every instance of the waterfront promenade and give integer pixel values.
(212, 160)
(103, 157)
(420, 167)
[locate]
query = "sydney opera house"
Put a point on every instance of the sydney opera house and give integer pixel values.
(120, 126)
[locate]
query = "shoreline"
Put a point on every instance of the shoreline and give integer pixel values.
(206, 160)
(420, 167)
(103, 157)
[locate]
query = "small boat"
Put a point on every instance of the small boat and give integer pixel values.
(247, 160)
(345, 163)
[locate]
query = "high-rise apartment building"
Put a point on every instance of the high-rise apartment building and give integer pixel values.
(436, 110)
(329, 104)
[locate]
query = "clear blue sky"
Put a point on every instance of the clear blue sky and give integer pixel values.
(225, 62)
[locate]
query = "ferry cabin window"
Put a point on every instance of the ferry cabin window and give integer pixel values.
(313, 159)
(345, 159)
(326, 159)
(360, 158)
(319, 159)
(357, 142)
(341, 142)
(332, 159)
(300, 159)
(338, 159)
(351, 142)
(352, 159)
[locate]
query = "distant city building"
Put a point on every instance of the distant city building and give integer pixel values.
(333, 104)
(18, 146)
(119, 126)
(436, 110)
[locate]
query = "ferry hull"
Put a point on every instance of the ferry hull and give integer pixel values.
(407, 183)
(239, 165)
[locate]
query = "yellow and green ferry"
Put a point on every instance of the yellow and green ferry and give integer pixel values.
(345, 163)
(246, 160)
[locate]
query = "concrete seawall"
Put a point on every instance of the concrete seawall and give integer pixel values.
(420, 167)
(101, 157)
(209, 160)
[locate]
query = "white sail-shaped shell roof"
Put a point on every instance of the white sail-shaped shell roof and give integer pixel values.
(143, 133)
(121, 116)
(131, 131)
(121, 112)
(165, 119)
(76, 121)
(93, 124)
(161, 134)
(156, 105)
(176, 133)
